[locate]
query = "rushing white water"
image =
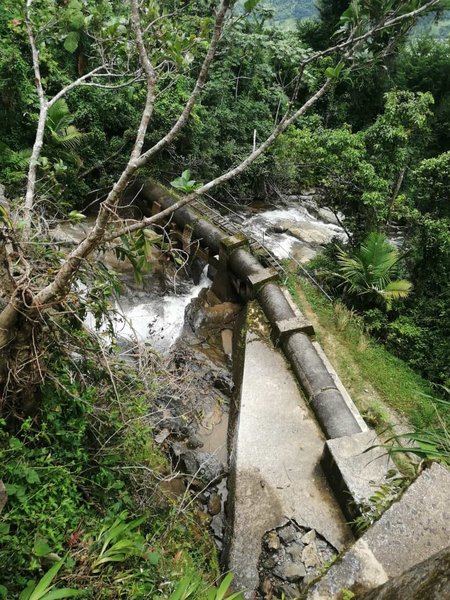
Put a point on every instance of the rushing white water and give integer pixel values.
(159, 320)
(313, 231)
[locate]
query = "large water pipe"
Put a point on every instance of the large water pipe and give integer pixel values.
(332, 412)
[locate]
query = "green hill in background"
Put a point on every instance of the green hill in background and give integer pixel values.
(286, 10)
(289, 11)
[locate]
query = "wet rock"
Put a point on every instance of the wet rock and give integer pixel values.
(214, 504)
(273, 541)
(211, 298)
(223, 382)
(277, 228)
(309, 235)
(196, 268)
(200, 315)
(290, 571)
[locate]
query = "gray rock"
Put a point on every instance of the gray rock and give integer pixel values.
(194, 442)
(309, 537)
(217, 526)
(290, 571)
(287, 534)
(310, 556)
(296, 550)
(270, 562)
(289, 591)
(210, 467)
(161, 436)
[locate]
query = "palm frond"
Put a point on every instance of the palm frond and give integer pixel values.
(59, 117)
(59, 124)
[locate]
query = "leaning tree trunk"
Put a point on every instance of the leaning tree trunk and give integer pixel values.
(21, 359)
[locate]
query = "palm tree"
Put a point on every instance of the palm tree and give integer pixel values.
(369, 271)
(59, 125)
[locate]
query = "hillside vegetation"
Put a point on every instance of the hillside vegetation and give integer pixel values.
(98, 94)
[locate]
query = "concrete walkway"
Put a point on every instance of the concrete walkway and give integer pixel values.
(275, 463)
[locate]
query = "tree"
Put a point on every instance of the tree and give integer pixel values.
(33, 291)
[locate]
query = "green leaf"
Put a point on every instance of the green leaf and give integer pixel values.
(3, 592)
(334, 72)
(71, 42)
(154, 558)
(32, 476)
(41, 548)
(223, 588)
(249, 5)
(45, 582)
(76, 216)
(26, 593)
(62, 593)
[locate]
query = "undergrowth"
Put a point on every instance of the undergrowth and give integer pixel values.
(82, 483)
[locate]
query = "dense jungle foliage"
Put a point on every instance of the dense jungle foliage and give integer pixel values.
(376, 147)
(377, 151)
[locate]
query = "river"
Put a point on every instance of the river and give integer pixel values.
(295, 231)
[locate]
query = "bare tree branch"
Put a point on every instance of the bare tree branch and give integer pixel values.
(285, 122)
(70, 266)
(201, 80)
(39, 139)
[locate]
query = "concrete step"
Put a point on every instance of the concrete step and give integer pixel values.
(411, 531)
(356, 467)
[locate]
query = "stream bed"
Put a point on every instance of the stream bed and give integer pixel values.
(192, 330)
